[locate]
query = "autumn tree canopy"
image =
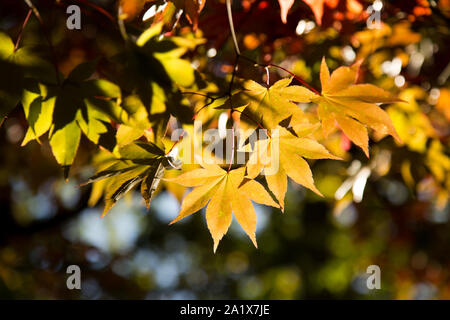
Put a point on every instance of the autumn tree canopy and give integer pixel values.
(220, 102)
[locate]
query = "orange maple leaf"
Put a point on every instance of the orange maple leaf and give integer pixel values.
(352, 107)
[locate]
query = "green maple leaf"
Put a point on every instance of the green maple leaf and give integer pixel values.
(78, 105)
(153, 70)
(136, 163)
(19, 65)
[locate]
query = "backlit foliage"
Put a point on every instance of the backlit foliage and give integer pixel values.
(156, 79)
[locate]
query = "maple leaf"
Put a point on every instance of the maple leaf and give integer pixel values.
(282, 155)
(152, 70)
(273, 104)
(352, 8)
(130, 9)
(20, 65)
(136, 163)
(352, 106)
(225, 193)
(66, 110)
(315, 5)
(80, 105)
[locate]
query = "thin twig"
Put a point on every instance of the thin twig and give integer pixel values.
(99, 9)
(19, 37)
(233, 75)
(47, 38)
(299, 79)
(271, 65)
(177, 20)
(208, 104)
(230, 88)
(233, 33)
(232, 146)
(35, 10)
(212, 99)
(122, 28)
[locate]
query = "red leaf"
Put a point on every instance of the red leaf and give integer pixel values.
(317, 8)
(285, 5)
(315, 5)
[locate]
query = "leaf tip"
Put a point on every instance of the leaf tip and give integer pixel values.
(216, 244)
(397, 137)
(333, 157)
(316, 191)
(108, 205)
(366, 152)
(174, 220)
(253, 238)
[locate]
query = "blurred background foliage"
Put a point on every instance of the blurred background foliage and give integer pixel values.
(391, 210)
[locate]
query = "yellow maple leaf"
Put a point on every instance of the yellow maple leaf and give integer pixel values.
(274, 104)
(352, 107)
(287, 158)
(225, 193)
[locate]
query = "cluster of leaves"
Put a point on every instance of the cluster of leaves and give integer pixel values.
(352, 8)
(129, 109)
(342, 103)
(167, 12)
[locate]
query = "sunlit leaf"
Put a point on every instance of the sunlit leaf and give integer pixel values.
(350, 105)
(226, 196)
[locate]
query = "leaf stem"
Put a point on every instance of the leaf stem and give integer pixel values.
(299, 79)
(208, 104)
(251, 119)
